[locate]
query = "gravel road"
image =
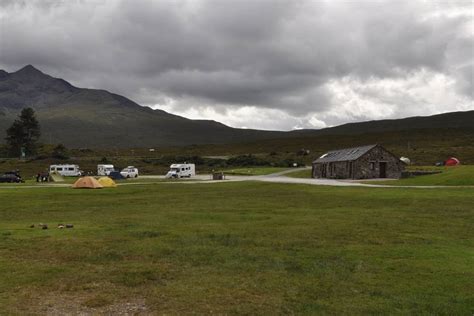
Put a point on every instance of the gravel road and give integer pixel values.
(278, 177)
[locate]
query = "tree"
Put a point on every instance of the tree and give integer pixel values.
(60, 152)
(24, 133)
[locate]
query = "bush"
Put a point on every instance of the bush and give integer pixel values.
(3, 151)
(247, 160)
(41, 157)
(289, 163)
(168, 160)
(60, 152)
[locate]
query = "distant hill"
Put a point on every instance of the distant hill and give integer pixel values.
(458, 120)
(80, 117)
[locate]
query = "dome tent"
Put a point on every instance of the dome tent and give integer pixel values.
(55, 177)
(405, 160)
(452, 161)
(106, 182)
(87, 183)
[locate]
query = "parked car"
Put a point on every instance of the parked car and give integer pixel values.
(11, 178)
(129, 172)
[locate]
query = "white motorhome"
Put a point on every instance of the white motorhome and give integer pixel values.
(180, 170)
(104, 170)
(66, 170)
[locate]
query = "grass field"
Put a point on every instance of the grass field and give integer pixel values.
(455, 176)
(254, 171)
(237, 248)
(71, 180)
(305, 174)
(451, 176)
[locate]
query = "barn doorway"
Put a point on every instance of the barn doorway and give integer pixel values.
(383, 170)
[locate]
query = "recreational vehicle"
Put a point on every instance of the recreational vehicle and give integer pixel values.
(181, 170)
(66, 170)
(104, 170)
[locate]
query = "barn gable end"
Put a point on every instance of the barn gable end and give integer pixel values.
(365, 162)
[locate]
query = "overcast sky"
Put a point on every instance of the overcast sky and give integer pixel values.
(257, 64)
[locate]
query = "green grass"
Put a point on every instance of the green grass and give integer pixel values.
(452, 176)
(306, 174)
(238, 248)
(71, 180)
(254, 171)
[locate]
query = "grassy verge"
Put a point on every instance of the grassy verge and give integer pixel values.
(306, 174)
(254, 171)
(237, 248)
(451, 176)
(71, 180)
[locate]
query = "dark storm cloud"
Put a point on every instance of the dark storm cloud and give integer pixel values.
(283, 55)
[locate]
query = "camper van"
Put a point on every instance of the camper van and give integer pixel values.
(66, 170)
(104, 170)
(181, 170)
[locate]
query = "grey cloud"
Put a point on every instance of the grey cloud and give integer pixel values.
(268, 54)
(465, 80)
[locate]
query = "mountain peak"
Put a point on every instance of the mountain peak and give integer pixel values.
(29, 70)
(30, 74)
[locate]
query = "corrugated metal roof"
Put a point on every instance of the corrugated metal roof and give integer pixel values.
(347, 154)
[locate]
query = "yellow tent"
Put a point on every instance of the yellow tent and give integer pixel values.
(87, 183)
(54, 177)
(107, 182)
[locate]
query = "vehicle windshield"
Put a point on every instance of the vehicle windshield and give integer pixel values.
(174, 169)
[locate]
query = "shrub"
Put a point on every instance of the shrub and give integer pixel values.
(60, 152)
(247, 160)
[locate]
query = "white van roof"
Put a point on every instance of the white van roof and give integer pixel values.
(65, 165)
(179, 165)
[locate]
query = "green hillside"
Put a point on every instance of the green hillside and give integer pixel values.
(423, 147)
(442, 121)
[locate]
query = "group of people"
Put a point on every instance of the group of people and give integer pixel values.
(42, 177)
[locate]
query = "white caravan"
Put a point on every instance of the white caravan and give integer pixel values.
(180, 170)
(66, 170)
(104, 170)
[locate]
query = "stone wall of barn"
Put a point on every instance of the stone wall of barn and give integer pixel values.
(366, 167)
(332, 170)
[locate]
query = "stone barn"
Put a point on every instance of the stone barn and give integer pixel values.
(365, 162)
